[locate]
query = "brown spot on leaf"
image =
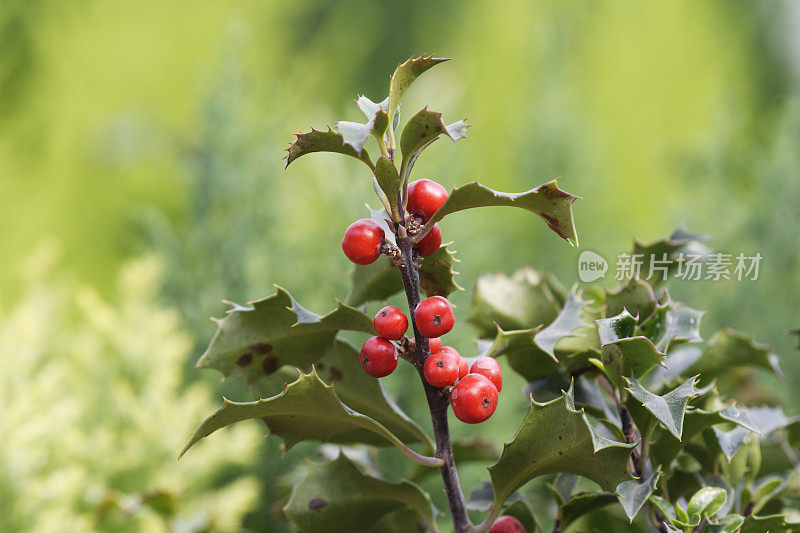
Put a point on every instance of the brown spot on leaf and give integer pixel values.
(270, 365)
(560, 453)
(245, 359)
(336, 374)
(320, 366)
(261, 348)
(316, 504)
(560, 437)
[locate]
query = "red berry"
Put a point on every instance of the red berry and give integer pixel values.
(430, 243)
(362, 241)
(378, 357)
(463, 366)
(425, 197)
(489, 367)
(441, 369)
(507, 524)
(391, 323)
(434, 317)
(474, 399)
(436, 344)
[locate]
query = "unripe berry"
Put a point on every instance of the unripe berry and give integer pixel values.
(430, 243)
(434, 317)
(436, 344)
(474, 399)
(463, 366)
(441, 369)
(362, 241)
(507, 524)
(425, 197)
(378, 357)
(391, 323)
(489, 367)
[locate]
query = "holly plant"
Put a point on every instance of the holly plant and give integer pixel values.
(629, 426)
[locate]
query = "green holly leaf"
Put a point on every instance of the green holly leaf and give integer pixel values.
(405, 74)
(727, 524)
(525, 300)
(366, 395)
(325, 141)
(581, 504)
(730, 441)
(623, 355)
(673, 323)
(254, 341)
(662, 257)
(546, 200)
(707, 501)
(369, 108)
(555, 437)
(389, 182)
(633, 494)
(664, 507)
(356, 134)
(419, 132)
(307, 409)
(635, 296)
(436, 274)
(564, 325)
(337, 497)
(668, 409)
(523, 354)
(730, 349)
(664, 447)
(768, 524)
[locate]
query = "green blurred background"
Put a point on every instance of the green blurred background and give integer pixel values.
(141, 182)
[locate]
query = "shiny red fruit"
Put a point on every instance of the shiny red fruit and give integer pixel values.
(391, 323)
(507, 524)
(474, 399)
(463, 366)
(430, 243)
(362, 241)
(441, 369)
(436, 344)
(425, 197)
(434, 317)
(489, 367)
(378, 357)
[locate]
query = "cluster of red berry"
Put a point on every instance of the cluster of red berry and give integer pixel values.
(363, 239)
(475, 389)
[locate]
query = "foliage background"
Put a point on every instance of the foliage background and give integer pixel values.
(154, 129)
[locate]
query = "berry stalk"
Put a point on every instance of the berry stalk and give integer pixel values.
(438, 401)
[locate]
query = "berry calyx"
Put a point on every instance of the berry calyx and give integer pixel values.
(425, 197)
(463, 366)
(378, 357)
(362, 241)
(436, 345)
(474, 399)
(507, 524)
(434, 317)
(391, 323)
(489, 367)
(441, 369)
(430, 243)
